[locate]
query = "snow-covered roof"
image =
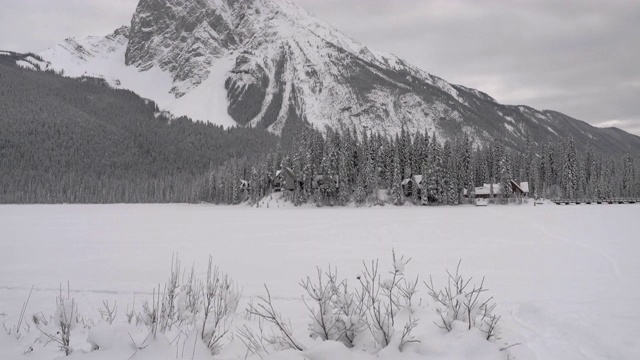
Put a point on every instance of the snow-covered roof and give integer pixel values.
(281, 171)
(417, 178)
(513, 183)
(486, 189)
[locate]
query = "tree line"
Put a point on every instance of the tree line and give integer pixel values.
(370, 168)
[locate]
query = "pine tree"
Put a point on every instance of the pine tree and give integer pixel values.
(570, 169)
(504, 174)
(397, 195)
(434, 179)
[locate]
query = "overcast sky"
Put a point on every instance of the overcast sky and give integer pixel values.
(579, 57)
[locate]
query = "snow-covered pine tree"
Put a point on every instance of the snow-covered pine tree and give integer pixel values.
(570, 169)
(466, 168)
(405, 154)
(504, 174)
(628, 176)
(529, 163)
(397, 195)
(435, 168)
(448, 174)
(418, 153)
(424, 186)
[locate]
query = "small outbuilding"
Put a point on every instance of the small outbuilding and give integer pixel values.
(411, 184)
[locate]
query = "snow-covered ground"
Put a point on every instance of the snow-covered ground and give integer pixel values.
(566, 279)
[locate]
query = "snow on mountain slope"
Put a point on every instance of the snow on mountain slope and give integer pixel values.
(279, 64)
(103, 57)
(303, 67)
(208, 100)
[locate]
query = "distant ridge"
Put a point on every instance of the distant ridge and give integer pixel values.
(267, 63)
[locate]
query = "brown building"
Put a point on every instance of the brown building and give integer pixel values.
(285, 179)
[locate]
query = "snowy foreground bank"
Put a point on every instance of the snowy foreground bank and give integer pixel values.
(566, 279)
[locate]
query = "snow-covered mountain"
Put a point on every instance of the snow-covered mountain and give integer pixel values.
(269, 63)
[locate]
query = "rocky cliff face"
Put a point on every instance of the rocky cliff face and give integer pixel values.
(184, 37)
(273, 63)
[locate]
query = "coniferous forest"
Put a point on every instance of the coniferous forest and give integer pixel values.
(356, 167)
(68, 140)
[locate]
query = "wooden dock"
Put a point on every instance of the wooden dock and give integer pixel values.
(619, 201)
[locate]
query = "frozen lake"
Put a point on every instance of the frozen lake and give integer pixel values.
(566, 278)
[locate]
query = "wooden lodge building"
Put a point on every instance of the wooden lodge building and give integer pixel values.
(485, 191)
(285, 179)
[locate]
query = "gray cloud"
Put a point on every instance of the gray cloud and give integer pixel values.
(34, 25)
(580, 57)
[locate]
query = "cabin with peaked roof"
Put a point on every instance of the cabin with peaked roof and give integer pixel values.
(285, 179)
(484, 191)
(411, 184)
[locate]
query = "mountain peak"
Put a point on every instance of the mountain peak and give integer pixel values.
(186, 37)
(121, 31)
(268, 63)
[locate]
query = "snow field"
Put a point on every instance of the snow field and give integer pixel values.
(565, 279)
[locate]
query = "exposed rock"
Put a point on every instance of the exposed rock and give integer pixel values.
(289, 66)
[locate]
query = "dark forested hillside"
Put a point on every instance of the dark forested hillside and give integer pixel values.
(78, 140)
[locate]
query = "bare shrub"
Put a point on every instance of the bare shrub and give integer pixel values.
(64, 320)
(383, 299)
(255, 342)
(168, 314)
(192, 295)
(338, 315)
(131, 314)
(221, 297)
(108, 312)
(151, 312)
(461, 300)
(264, 310)
(407, 337)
